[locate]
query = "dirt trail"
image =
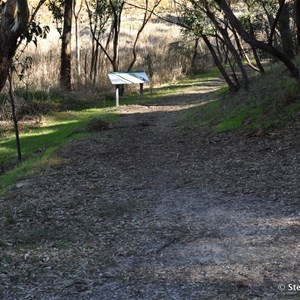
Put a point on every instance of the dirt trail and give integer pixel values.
(143, 211)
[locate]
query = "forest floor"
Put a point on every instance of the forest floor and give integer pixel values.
(146, 210)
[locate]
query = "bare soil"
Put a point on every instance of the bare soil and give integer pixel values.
(144, 210)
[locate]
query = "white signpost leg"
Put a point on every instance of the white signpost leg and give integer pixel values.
(117, 96)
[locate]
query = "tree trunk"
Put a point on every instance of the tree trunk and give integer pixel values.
(65, 68)
(218, 46)
(95, 67)
(237, 59)
(243, 53)
(275, 21)
(232, 86)
(13, 23)
(193, 67)
(92, 59)
(230, 47)
(117, 15)
(297, 20)
(254, 50)
(231, 65)
(286, 32)
(14, 116)
(77, 40)
(146, 19)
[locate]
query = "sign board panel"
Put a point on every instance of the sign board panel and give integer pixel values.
(128, 77)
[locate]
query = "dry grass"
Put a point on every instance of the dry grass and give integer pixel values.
(154, 42)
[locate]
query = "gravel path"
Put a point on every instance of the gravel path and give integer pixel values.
(145, 211)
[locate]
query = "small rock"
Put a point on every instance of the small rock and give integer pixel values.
(23, 183)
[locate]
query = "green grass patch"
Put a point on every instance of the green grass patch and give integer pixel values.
(39, 144)
(261, 113)
(182, 85)
(272, 101)
(200, 116)
(293, 108)
(211, 74)
(222, 91)
(56, 129)
(245, 116)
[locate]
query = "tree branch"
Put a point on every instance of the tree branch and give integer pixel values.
(254, 42)
(145, 21)
(273, 29)
(36, 9)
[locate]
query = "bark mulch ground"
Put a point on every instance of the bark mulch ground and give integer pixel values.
(143, 210)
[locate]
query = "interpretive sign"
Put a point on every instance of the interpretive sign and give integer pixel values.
(128, 77)
(120, 78)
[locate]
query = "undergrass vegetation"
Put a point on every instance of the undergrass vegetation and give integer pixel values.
(40, 143)
(272, 101)
(201, 116)
(45, 102)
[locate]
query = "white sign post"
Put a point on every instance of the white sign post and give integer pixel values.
(120, 78)
(117, 95)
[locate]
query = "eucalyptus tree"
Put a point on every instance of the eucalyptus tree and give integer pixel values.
(77, 9)
(65, 66)
(221, 26)
(258, 24)
(16, 26)
(62, 11)
(265, 46)
(285, 27)
(204, 22)
(272, 21)
(13, 24)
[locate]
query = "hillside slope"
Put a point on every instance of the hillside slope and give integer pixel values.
(272, 102)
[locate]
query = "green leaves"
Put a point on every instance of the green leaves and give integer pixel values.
(57, 9)
(34, 31)
(21, 67)
(194, 20)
